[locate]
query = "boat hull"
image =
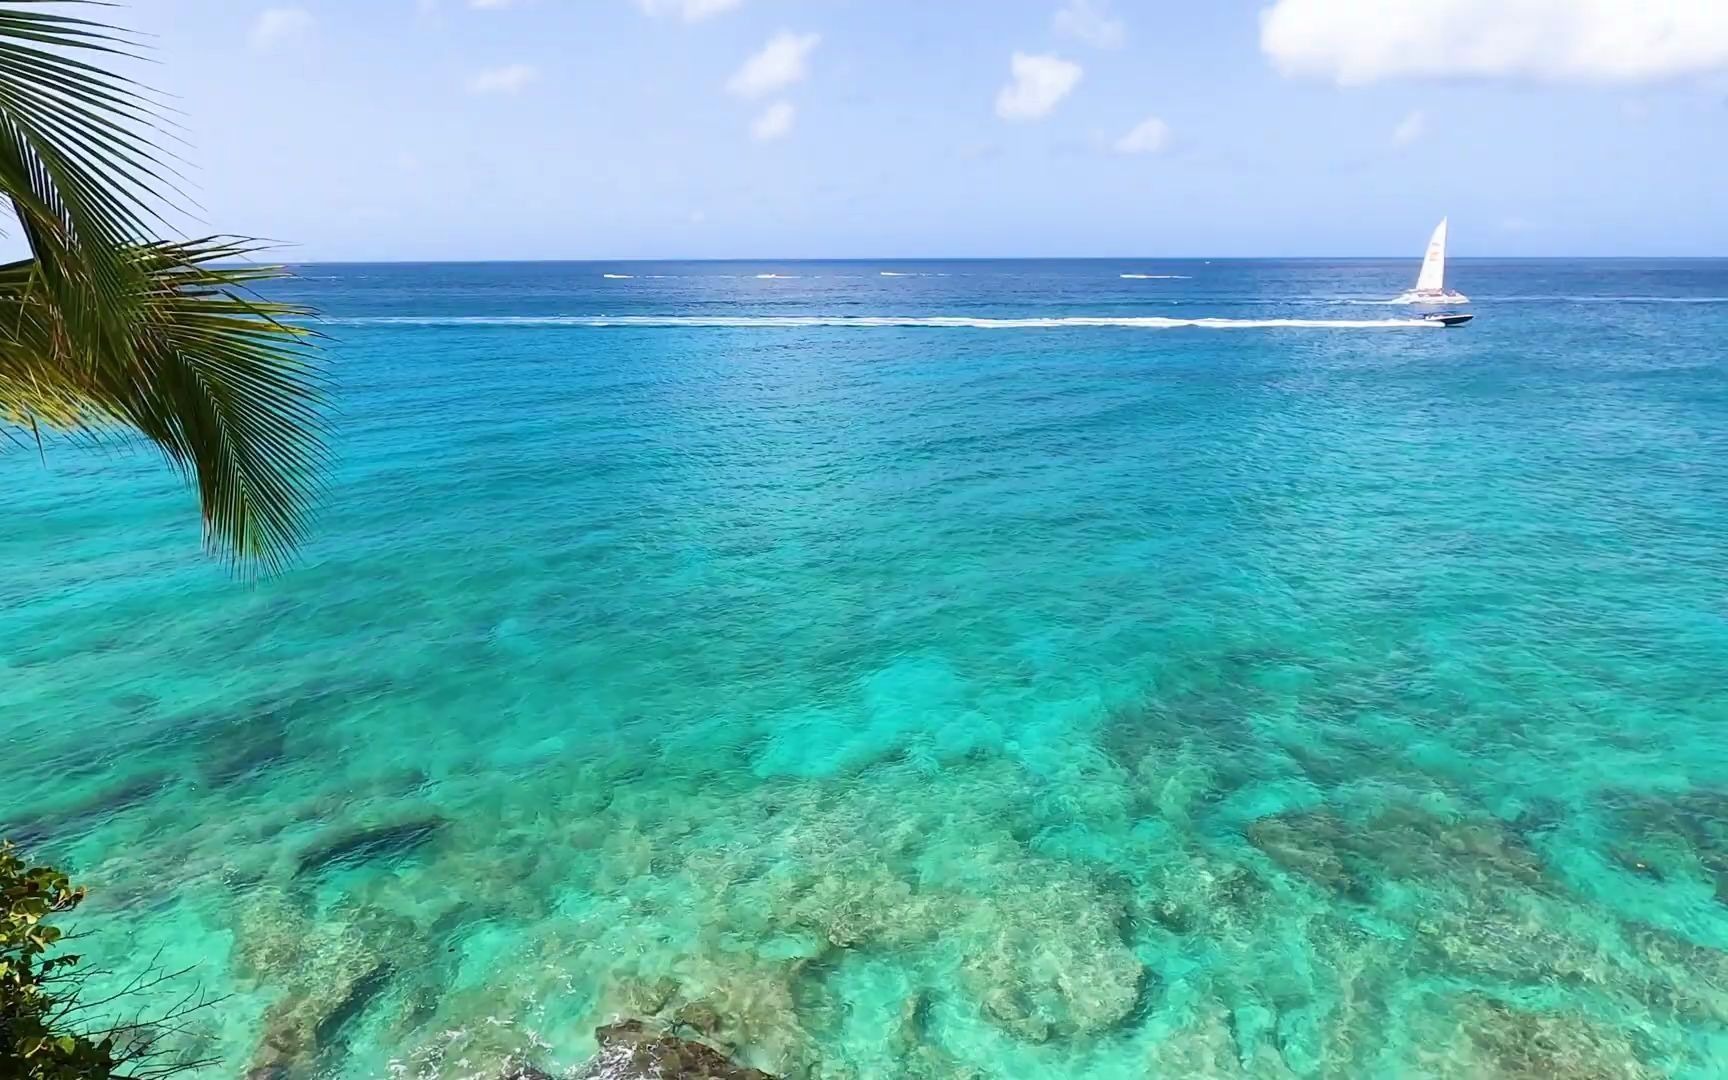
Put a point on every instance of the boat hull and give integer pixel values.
(1424, 296)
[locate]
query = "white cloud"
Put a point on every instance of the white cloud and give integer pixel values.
(1542, 40)
(688, 10)
(277, 27)
(1090, 21)
(777, 65)
(1038, 84)
(1147, 137)
(774, 122)
(1410, 128)
(510, 79)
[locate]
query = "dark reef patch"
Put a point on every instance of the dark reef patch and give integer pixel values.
(631, 1050)
(350, 846)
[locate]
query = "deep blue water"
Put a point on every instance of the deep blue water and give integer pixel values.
(975, 671)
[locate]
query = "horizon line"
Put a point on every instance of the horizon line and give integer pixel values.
(985, 258)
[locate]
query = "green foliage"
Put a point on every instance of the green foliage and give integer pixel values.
(34, 1044)
(106, 327)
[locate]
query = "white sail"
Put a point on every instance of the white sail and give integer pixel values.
(1431, 282)
(1433, 276)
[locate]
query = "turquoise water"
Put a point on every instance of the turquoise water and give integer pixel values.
(909, 698)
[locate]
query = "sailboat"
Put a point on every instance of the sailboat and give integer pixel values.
(1431, 282)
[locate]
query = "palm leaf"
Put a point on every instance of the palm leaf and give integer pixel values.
(226, 384)
(80, 165)
(105, 326)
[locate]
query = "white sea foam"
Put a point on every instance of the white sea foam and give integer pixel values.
(773, 277)
(1616, 299)
(933, 322)
(618, 277)
(1401, 301)
(1156, 277)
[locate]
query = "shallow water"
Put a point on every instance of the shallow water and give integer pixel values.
(925, 700)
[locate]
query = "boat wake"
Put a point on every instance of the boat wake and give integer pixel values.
(1155, 277)
(931, 322)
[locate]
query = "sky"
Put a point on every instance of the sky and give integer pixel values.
(603, 129)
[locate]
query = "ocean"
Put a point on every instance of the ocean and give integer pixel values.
(1104, 669)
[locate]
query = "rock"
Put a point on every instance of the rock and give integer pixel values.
(325, 973)
(910, 1032)
(135, 791)
(700, 1017)
(307, 1023)
(517, 1070)
(1048, 959)
(1520, 1045)
(361, 845)
(239, 751)
(352, 1003)
(1635, 863)
(641, 996)
(630, 1050)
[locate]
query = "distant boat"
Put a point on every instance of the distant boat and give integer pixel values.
(1448, 318)
(1431, 282)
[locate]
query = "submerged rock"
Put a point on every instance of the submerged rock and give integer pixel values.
(364, 844)
(1519, 1045)
(131, 793)
(306, 1024)
(631, 1050)
(239, 751)
(328, 971)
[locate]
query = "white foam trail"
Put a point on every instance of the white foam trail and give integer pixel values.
(774, 277)
(934, 322)
(1156, 277)
(618, 277)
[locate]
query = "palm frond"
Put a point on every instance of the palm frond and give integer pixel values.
(228, 385)
(80, 165)
(106, 327)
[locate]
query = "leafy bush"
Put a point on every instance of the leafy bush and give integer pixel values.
(43, 1029)
(32, 1040)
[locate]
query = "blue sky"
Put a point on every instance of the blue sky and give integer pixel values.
(425, 129)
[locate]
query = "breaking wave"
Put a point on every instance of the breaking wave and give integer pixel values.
(1403, 300)
(933, 322)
